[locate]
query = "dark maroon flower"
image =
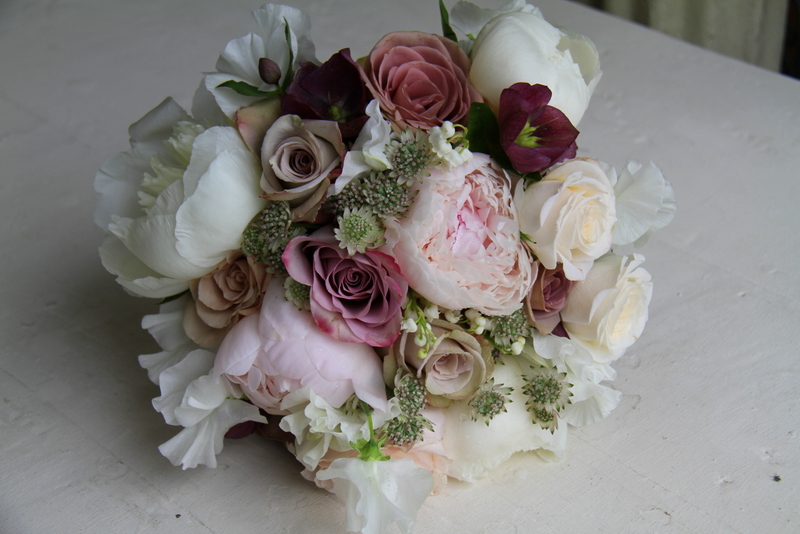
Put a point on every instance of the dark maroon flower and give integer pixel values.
(355, 299)
(535, 136)
(547, 298)
(333, 91)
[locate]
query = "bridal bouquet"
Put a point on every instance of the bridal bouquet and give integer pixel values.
(396, 265)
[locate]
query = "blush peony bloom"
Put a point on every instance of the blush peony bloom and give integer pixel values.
(457, 364)
(284, 344)
(420, 79)
(607, 312)
(353, 298)
(569, 216)
(232, 291)
(459, 244)
(547, 298)
(298, 157)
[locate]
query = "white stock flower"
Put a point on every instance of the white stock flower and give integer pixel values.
(191, 397)
(524, 47)
(569, 216)
(195, 221)
(645, 202)
(377, 494)
(607, 311)
(239, 61)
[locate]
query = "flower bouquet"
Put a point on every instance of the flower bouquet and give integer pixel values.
(396, 265)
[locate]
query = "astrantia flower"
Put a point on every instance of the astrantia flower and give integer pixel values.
(358, 231)
(377, 494)
(533, 135)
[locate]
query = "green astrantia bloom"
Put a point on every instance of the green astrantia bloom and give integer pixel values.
(358, 231)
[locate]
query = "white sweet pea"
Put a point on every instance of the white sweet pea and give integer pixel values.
(524, 47)
(239, 61)
(606, 313)
(193, 224)
(318, 426)
(197, 400)
(645, 202)
(476, 448)
(369, 151)
(166, 327)
(377, 494)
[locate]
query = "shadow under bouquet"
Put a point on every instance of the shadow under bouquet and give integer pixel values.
(397, 265)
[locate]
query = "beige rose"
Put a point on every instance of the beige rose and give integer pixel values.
(455, 367)
(233, 290)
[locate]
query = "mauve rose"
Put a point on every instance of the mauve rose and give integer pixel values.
(356, 298)
(420, 79)
(233, 290)
(298, 157)
(455, 367)
(547, 298)
(459, 244)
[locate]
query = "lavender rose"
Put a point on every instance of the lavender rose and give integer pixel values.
(298, 157)
(547, 298)
(232, 291)
(355, 298)
(420, 79)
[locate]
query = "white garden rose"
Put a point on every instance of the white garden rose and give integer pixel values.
(197, 212)
(524, 47)
(569, 216)
(607, 312)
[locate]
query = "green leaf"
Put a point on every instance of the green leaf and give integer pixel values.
(483, 134)
(447, 30)
(287, 32)
(173, 297)
(245, 89)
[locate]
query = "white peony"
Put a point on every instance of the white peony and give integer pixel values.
(524, 47)
(377, 494)
(606, 312)
(569, 216)
(201, 203)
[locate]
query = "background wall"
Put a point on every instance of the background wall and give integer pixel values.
(751, 30)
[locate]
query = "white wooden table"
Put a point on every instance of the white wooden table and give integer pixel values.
(705, 439)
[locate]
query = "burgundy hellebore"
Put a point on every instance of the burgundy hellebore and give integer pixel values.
(355, 299)
(535, 136)
(333, 91)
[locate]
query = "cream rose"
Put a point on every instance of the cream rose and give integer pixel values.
(524, 47)
(607, 312)
(459, 244)
(569, 216)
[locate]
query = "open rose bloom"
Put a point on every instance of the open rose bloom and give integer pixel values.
(397, 266)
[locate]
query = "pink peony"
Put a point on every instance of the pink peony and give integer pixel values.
(459, 244)
(282, 350)
(420, 79)
(357, 298)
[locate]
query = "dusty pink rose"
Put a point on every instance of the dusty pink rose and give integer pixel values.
(282, 350)
(420, 79)
(232, 291)
(459, 244)
(353, 298)
(547, 298)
